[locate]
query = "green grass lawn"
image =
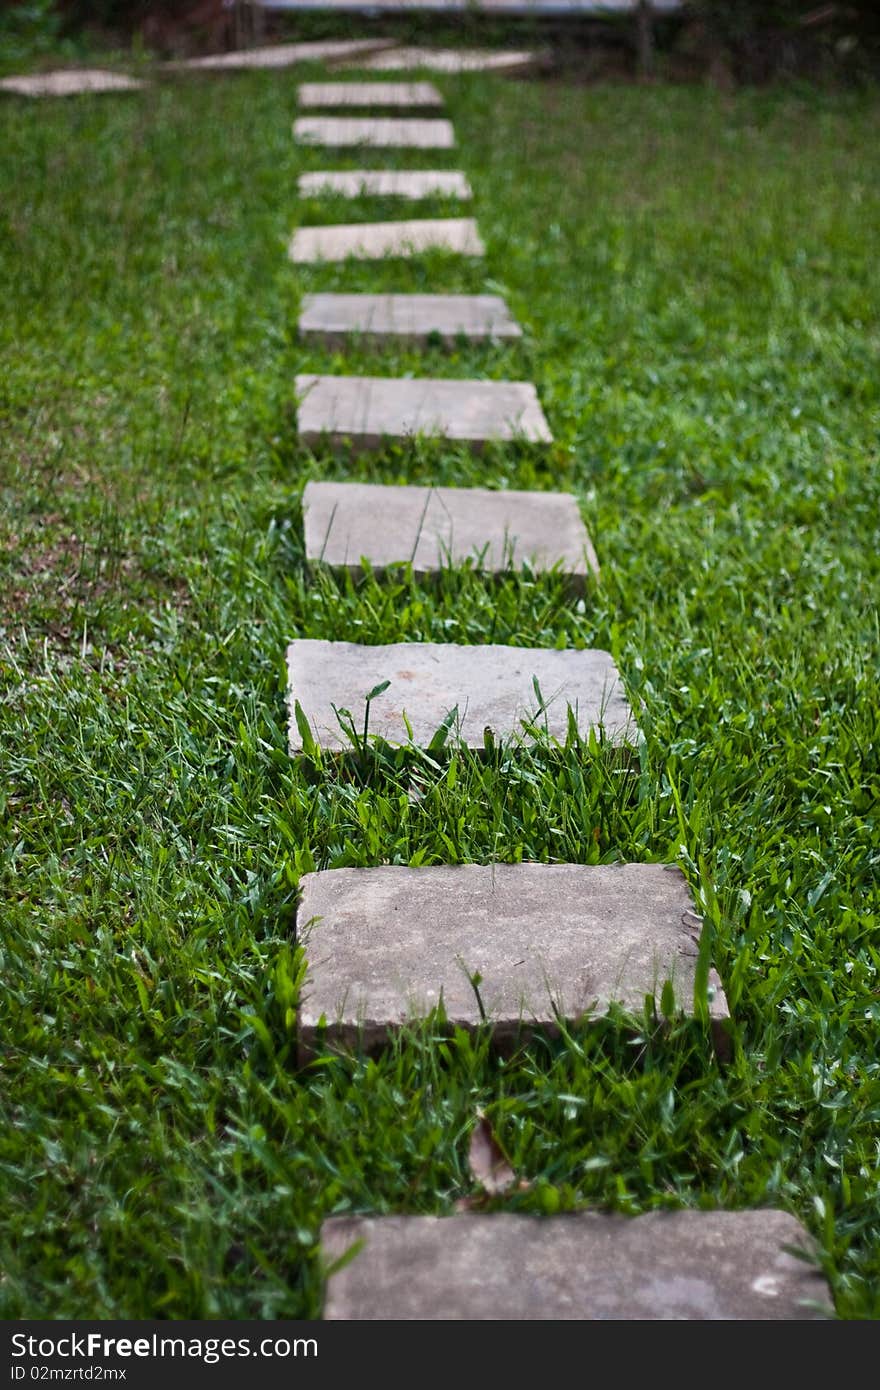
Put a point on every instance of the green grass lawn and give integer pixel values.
(696, 274)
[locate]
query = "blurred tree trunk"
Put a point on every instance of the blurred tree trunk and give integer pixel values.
(645, 38)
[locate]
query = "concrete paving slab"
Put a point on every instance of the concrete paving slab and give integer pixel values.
(361, 412)
(386, 183)
(71, 82)
(451, 60)
(336, 94)
(480, 689)
(549, 943)
(385, 132)
(665, 1265)
(371, 241)
(414, 318)
(284, 55)
(432, 528)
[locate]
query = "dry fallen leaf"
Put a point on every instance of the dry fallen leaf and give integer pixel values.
(486, 1160)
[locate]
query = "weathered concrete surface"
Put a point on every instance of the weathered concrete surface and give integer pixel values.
(550, 941)
(362, 412)
(386, 132)
(417, 318)
(673, 1266)
(402, 94)
(386, 183)
(285, 55)
(433, 528)
(450, 60)
(492, 688)
(370, 241)
(71, 82)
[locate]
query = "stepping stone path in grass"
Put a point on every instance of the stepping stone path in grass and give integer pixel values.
(470, 689)
(387, 132)
(451, 60)
(370, 241)
(669, 1265)
(386, 183)
(433, 528)
(285, 55)
(403, 94)
(545, 943)
(415, 318)
(359, 412)
(72, 82)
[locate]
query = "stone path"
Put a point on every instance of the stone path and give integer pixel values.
(378, 132)
(367, 241)
(450, 60)
(676, 1265)
(476, 689)
(362, 412)
(285, 55)
(71, 82)
(415, 318)
(431, 528)
(403, 94)
(385, 183)
(546, 943)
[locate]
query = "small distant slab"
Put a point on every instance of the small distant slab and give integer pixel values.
(407, 95)
(549, 943)
(370, 241)
(452, 60)
(361, 412)
(385, 132)
(71, 82)
(666, 1265)
(386, 183)
(432, 528)
(415, 318)
(284, 55)
(475, 689)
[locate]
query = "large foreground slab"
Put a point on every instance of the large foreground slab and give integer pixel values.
(402, 94)
(479, 689)
(681, 1265)
(432, 528)
(370, 241)
(361, 412)
(71, 82)
(385, 132)
(544, 942)
(386, 183)
(451, 60)
(285, 55)
(416, 318)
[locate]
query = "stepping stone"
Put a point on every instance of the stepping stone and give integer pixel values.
(453, 60)
(590, 1266)
(361, 412)
(285, 55)
(71, 82)
(549, 942)
(492, 688)
(392, 132)
(432, 528)
(418, 318)
(371, 241)
(387, 183)
(405, 94)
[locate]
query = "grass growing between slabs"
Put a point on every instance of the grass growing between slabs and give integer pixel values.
(696, 278)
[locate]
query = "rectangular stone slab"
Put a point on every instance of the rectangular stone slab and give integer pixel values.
(387, 132)
(451, 60)
(403, 94)
(386, 183)
(362, 412)
(71, 82)
(590, 1266)
(370, 241)
(491, 686)
(416, 318)
(285, 55)
(433, 528)
(550, 942)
